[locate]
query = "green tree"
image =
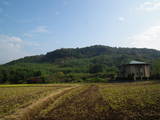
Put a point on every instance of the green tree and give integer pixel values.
(156, 68)
(97, 68)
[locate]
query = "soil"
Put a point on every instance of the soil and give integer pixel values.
(87, 105)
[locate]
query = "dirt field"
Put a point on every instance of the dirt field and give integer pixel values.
(125, 101)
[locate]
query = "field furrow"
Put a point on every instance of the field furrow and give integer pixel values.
(117, 101)
(31, 112)
(14, 98)
(86, 105)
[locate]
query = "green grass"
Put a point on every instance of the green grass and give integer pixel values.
(33, 85)
(18, 85)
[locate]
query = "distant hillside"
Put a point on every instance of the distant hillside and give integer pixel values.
(98, 53)
(90, 64)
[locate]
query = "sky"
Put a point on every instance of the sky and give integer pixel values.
(34, 27)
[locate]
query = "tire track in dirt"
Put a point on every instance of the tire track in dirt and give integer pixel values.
(30, 112)
(87, 105)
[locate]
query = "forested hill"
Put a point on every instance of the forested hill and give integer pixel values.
(99, 53)
(90, 64)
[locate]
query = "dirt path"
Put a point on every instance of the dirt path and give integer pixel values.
(87, 105)
(30, 112)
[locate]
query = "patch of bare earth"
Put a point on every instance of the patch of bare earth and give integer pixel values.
(87, 105)
(31, 112)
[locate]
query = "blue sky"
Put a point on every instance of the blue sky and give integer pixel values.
(31, 27)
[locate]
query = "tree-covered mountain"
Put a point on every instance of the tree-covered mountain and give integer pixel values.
(89, 64)
(105, 54)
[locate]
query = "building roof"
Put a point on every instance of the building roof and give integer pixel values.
(136, 62)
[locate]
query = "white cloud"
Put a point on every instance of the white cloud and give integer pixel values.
(41, 29)
(147, 39)
(36, 31)
(15, 39)
(121, 19)
(150, 6)
(11, 48)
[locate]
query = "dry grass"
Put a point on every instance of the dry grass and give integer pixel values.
(81, 105)
(118, 101)
(62, 100)
(13, 98)
(133, 100)
(31, 112)
(121, 101)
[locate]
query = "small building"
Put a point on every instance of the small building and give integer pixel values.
(134, 70)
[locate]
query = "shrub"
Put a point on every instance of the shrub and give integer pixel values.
(96, 80)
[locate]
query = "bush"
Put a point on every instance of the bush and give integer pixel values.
(95, 80)
(96, 68)
(34, 80)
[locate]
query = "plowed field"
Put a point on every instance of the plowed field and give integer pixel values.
(118, 101)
